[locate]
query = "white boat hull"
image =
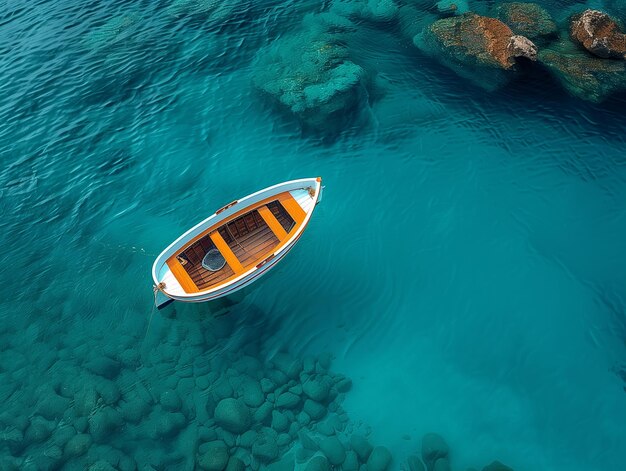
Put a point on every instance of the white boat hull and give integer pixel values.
(306, 192)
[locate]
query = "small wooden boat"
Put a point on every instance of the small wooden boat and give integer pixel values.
(236, 245)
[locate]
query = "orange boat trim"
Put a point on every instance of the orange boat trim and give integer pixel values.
(182, 276)
(292, 207)
(228, 254)
(272, 222)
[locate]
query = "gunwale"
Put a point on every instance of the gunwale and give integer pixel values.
(286, 201)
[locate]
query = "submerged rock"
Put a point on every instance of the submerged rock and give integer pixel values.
(583, 75)
(318, 463)
(415, 464)
(528, 19)
(233, 415)
(213, 10)
(482, 49)
(434, 447)
(452, 7)
(77, 445)
(371, 10)
(215, 456)
(599, 34)
(333, 450)
(379, 459)
(361, 446)
(497, 466)
(442, 464)
(310, 73)
(317, 387)
(265, 448)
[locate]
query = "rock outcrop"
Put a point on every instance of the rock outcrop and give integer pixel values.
(480, 48)
(527, 19)
(311, 74)
(599, 34)
(582, 74)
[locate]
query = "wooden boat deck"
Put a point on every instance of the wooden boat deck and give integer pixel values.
(244, 242)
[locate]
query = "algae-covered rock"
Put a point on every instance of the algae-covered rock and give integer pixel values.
(351, 463)
(104, 366)
(52, 406)
(108, 391)
(286, 463)
(235, 464)
(442, 464)
(361, 446)
(170, 400)
(215, 456)
(415, 464)
(280, 423)
(528, 19)
(582, 74)
(433, 448)
(482, 49)
(113, 31)
(263, 414)
(169, 424)
(317, 463)
(251, 393)
(379, 459)
(452, 7)
(233, 415)
(317, 387)
(77, 445)
(370, 10)
(497, 466)
(265, 448)
(310, 73)
(333, 450)
(211, 10)
(287, 364)
(288, 400)
(314, 409)
(39, 430)
(103, 423)
(599, 34)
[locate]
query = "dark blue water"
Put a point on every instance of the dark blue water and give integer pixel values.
(465, 268)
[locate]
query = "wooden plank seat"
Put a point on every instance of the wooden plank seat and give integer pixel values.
(243, 242)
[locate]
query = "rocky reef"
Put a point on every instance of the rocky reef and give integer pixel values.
(370, 10)
(183, 399)
(435, 456)
(527, 19)
(583, 75)
(482, 49)
(585, 58)
(211, 10)
(311, 74)
(599, 34)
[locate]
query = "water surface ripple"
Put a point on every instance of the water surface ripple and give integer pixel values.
(465, 269)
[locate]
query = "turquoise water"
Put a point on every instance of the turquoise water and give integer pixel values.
(465, 269)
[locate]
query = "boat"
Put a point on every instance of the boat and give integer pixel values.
(236, 245)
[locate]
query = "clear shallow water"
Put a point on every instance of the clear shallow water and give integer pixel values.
(465, 268)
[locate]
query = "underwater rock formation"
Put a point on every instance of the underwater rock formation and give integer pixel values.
(310, 72)
(214, 10)
(114, 30)
(586, 76)
(370, 10)
(480, 48)
(452, 7)
(528, 19)
(188, 400)
(599, 34)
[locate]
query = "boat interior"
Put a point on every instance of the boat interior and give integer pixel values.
(239, 243)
